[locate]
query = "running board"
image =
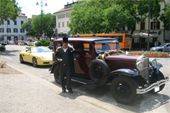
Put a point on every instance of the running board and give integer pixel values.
(82, 81)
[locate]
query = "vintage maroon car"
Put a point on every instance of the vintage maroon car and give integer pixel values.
(98, 61)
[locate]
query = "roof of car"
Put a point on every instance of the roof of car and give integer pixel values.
(89, 39)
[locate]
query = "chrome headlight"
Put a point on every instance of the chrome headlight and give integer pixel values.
(142, 65)
(156, 64)
(139, 65)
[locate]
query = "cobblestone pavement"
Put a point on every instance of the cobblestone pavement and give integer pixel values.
(101, 98)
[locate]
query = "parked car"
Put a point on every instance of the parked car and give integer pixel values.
(163, 48)
(37, 56)
(98, 62)
(2, 47)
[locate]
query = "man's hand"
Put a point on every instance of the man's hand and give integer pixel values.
(59, 59)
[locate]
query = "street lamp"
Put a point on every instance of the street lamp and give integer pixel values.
(42, 4)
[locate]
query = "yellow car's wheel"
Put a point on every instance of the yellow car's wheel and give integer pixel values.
(34, 62)
(21, 59)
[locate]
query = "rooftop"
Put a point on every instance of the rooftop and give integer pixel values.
(67, 7)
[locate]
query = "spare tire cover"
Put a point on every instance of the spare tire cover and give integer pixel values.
(99, 71)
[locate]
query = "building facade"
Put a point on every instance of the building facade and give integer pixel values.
(11, 31)
(63, 19)
(155, 27)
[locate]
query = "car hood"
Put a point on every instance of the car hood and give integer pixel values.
(122, 57)
(157, 47)
(121, 62)
(44, 55)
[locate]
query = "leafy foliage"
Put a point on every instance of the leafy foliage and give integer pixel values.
(97, 16)
(43, 43)
(167, 18)
(41, 24)
(8, 10)
(28, 27)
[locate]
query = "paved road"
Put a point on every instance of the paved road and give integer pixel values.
(100, 98)
(29, 94)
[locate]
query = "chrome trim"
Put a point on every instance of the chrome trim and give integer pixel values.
(152, 86)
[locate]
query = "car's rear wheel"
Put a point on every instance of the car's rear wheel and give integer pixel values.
(124, 90)
(21, 59)
(99, 71)
(34, 62)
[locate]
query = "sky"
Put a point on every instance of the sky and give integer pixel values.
(30, 8)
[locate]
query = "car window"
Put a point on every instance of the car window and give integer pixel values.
(81, 46)
(40, 50)
(58, 44)
(105, 46)
(168, 45)
(86, 46)
(78, 46)
(28, 49)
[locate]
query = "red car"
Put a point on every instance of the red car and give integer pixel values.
(98, 61)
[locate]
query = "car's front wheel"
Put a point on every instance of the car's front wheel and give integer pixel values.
(159, 77)
(34, 62)
(124, 90)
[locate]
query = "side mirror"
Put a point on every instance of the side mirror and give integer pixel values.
(28, 51)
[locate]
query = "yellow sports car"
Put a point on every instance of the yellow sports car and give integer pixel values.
(37, 56)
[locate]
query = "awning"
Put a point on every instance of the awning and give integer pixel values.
(144, 35)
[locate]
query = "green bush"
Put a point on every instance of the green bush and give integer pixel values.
(43, 43)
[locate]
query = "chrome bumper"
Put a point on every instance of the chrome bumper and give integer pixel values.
(152, 86)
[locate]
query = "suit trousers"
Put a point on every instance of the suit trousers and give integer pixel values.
(66, 78)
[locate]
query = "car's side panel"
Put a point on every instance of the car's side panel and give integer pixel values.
(125, 72)
(23, 55)
(28, 57)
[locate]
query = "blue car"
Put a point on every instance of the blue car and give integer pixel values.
(163, 48)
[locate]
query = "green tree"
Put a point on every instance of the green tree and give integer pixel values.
(93, 16)
(41, 24)
(167, 18)
(8, 10)
(141, 9)
(28, 27)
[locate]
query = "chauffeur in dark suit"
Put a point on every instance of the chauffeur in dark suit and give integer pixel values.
(65, 54)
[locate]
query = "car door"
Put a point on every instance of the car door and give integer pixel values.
(27, 56)
(82, 59)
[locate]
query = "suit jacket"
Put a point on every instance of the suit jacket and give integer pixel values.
(67, 58)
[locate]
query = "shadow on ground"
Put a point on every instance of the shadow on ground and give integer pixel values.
(39, 67)
(144, 103)
(9, 53)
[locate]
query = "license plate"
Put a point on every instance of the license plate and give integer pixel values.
(157, 89)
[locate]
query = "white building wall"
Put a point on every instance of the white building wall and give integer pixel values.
(62, 23)
(18, 35)
(159, 32)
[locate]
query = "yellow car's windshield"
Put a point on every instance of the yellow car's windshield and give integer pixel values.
(40, 49)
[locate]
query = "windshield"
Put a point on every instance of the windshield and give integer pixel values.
(106, 46)
(41, 49)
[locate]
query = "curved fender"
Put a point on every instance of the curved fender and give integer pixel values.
(126, 72)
